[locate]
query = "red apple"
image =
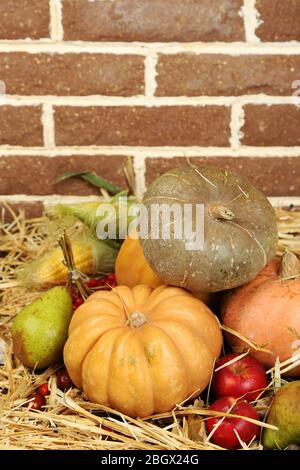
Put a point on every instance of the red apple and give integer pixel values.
(225, 434)
(244, 378)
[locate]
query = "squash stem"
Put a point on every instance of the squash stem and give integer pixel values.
(136, 319)
(221, 212)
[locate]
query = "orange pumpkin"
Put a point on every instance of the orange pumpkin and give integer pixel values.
(266, 311)
(131, 267)
(142, 351)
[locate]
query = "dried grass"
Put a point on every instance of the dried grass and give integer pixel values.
(289, 231)
(69, 421)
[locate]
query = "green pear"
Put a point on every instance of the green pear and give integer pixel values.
(40, 329)
(285, 415)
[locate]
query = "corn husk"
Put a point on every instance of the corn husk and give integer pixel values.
(91, 256)
(86, 212)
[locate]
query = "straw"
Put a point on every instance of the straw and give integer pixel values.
(69, 421)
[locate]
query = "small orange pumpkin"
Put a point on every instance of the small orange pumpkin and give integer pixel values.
(267, 312)
(131, 267)
(142, 351)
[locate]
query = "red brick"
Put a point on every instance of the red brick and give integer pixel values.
(72, 74)
(157, 126)
(207, 74)
(280, 20)
(18, 174)
(153, 20)
(272, 126)
(21, 125)
(278, 176)
(24, 19)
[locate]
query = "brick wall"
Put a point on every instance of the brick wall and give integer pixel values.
(90, 82)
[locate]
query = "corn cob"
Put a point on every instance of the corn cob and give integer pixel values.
(90, 256)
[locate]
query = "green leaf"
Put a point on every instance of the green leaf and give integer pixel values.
(91, 178)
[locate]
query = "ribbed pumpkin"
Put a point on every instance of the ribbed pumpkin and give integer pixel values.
(267, 312)
(132, 268)
(142, 351)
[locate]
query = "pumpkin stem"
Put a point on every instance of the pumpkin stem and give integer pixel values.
(290, 265)
(136, 319)
(220, 212)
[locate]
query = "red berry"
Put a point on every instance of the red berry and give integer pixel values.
(44, 390)
(102, 281)
(112, 285)
(63, 380)
(37, 401)
(111, 278)
(111, 282)
(92, 283)
(79, 301)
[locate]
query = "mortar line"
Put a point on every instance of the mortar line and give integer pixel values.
(56, 27)
(48, 126)
(236, 125)
(53, 198)
(139, 165)
(151, 152)
(141, 100)
(251, 21)
(150, 74)
(121, 48)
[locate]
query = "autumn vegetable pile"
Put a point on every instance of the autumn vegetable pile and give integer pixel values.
(145, 344)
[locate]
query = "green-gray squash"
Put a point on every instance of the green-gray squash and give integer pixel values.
(240, 230)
